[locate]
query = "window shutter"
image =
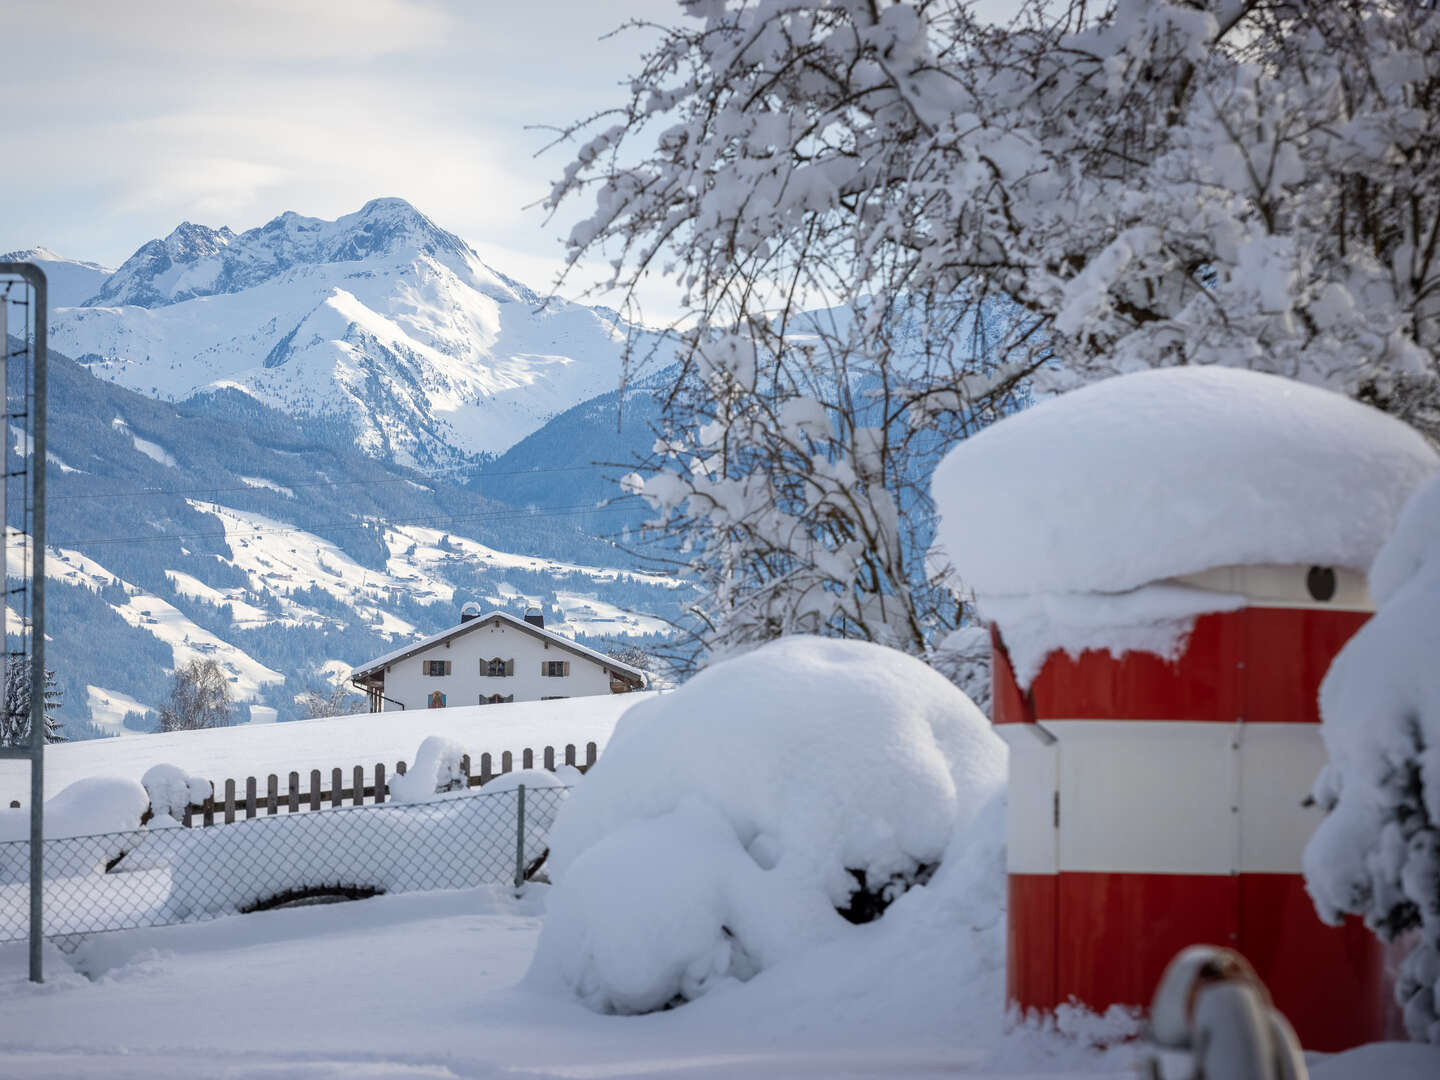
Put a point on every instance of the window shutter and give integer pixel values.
(566, 669)
(509, 667)
(544, 668)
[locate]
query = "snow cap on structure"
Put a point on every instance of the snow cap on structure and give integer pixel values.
(1147, 476)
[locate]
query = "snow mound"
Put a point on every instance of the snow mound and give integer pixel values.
(436, 769)
(730, 822)
(105, 809)
(1147, 476)
(1377, 853)
(100, 804)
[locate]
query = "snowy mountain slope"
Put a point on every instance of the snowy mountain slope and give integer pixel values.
(69, 281)
(379, 319)
(221, 527)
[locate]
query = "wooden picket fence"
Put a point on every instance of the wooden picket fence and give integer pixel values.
(226, 808)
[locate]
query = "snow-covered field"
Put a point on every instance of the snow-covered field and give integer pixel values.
(459, 985)
(341, 741)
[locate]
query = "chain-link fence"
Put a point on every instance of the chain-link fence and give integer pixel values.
(164, 873)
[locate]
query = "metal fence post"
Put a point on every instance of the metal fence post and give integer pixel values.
(520, 836)
(33, 409)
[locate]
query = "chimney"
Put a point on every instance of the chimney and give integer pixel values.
(535, 617)
(470, 611)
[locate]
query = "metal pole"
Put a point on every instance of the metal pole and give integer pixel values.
(37, 632)
(520, 837)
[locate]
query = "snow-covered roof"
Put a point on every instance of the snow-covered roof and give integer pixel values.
(1147, 476)
(485, 620)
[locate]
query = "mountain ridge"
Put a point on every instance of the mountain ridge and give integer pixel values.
(380, 319)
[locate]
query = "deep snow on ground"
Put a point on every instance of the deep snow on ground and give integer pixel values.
(405, 987)
(341, 741)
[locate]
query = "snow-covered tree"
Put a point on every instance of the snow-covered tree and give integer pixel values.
(890, 219)
(1377, 853)
(15, 724)
(200, 698)
(337, 699)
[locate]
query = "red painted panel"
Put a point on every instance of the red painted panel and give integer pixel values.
(1118, 931)
(1287, 652)
(1008, 702)
(1329, 980)
(1263, 664)
(1030, 941)
(1203, 684)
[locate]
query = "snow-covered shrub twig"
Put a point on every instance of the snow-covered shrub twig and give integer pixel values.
(1377, 853)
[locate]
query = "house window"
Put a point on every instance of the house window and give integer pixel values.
(437, 667)
(496, 699)
(553, 697)
(554, 669)
(437, 700)
(498, 668)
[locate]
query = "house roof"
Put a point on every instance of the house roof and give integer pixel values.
(372, 666)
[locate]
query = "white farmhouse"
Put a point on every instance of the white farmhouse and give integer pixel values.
(489, 659)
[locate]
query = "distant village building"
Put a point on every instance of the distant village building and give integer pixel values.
(487, 660)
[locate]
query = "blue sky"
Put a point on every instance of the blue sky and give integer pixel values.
(133, 117)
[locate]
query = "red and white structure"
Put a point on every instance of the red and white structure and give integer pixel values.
(1169, 561)
(1157, 804)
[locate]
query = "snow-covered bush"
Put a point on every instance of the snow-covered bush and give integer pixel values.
(730, 823)
(436, 769)
(172, 789)
(1377, 853)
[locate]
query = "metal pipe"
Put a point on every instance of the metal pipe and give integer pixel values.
(519, 837)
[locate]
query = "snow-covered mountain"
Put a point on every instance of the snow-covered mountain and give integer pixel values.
(219, 528)
(380, 318)
(70, 281)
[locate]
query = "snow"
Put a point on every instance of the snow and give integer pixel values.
(108, 708)
(390, 657)
(186, 638)
(457, 840)
(99, 804)
(192, 588)
(1064, 517)
(154, 451)
(326, 743)
(727, 821)
(104, 808)
(441, 988)
(68, 281)
(1377, 853)
(379, 316)
(263, 714)
(439, 996)
(277, 557)
(171, 790)
(269, 485)
(1152, 618)
(436, 769)
(1148, 476)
